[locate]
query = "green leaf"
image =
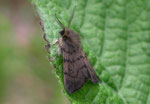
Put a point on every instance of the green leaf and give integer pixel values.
(116, 37)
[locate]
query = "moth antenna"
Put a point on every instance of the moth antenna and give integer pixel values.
(71, 17)
(59, 22)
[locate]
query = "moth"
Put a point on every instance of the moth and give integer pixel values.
(77, 67)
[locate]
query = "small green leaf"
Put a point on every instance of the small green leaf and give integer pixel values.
(116, 37)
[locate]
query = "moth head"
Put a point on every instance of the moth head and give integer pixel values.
(65, 32)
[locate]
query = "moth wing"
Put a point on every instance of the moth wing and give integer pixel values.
(93, 77)
(77, 70)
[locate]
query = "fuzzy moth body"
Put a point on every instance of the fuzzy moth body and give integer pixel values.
(77, 67)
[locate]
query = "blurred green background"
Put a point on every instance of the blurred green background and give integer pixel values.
(26, 76)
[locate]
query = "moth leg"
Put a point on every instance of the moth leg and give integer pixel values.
(59, 51)
(56, 42)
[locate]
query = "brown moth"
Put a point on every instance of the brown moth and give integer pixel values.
(76, 65)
